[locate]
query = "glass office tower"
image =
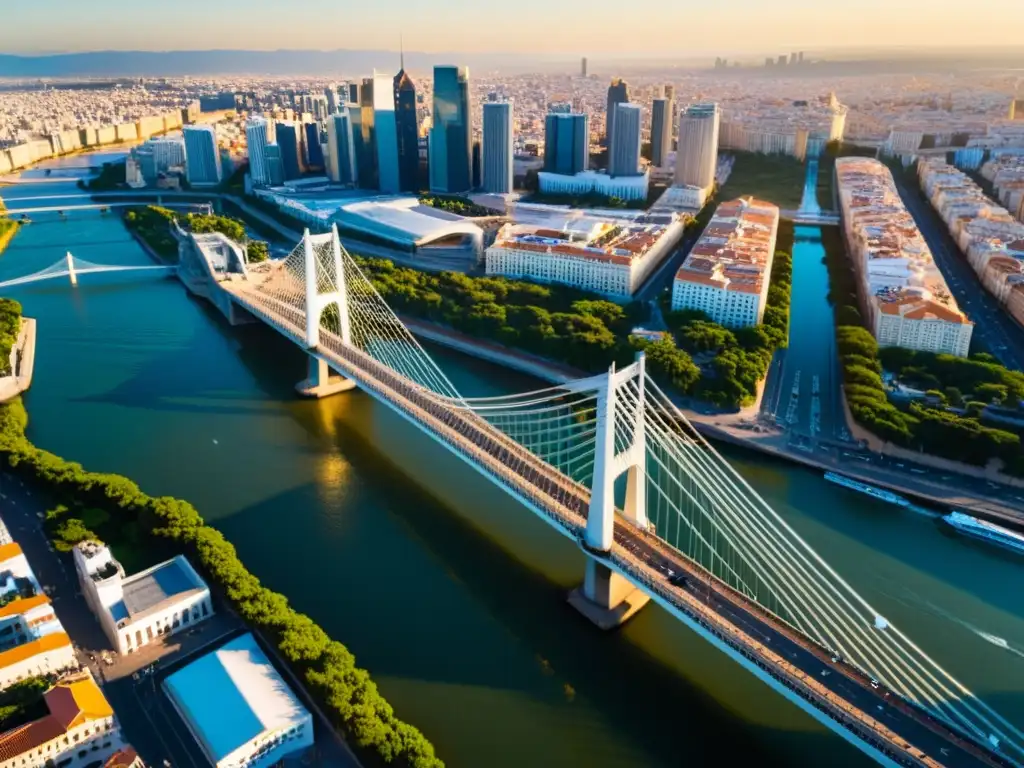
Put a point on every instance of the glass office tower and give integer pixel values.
(451, 134)
(407, 129)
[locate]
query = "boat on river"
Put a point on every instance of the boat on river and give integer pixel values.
(986, 531)
(870, 490)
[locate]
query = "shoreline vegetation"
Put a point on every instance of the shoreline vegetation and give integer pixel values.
(116, 505)
(8, 227)
(346, 692)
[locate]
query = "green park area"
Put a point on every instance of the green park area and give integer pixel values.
(23, 702)
(779, 179)
(8, 227)
(153, 224)
(584, 330)
(969, 410)
(456, 204)
(10, 327)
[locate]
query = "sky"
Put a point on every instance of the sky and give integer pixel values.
(599, 28)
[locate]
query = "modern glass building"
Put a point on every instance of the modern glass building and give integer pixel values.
(275, 167)
(497, 148)
(618, 93)
(314, 150)
(291, 152)
(566, 143)
(451, 134)
(697, 154)
(342, 165)
(386, 138)
(661, 130)
(257, 136)
(407, 129)
(202, 158)
(624, 153)
(365, 134)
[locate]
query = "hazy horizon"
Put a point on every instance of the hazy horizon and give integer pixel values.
(659, 29)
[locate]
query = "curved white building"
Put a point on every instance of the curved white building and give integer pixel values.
(697, 153)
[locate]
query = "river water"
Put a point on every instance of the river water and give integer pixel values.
(451, 594)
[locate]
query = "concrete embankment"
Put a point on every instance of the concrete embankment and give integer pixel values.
(23, 358)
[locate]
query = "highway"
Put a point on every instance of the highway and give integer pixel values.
(994, 329)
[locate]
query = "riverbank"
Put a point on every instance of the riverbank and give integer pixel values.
(7, 233)
(326, 666)
(729, 428)
(24, 355)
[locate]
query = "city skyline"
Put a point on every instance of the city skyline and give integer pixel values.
(66, 26)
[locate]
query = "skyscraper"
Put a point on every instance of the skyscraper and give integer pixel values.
(497, 150)
(386, 138)
(291, 154)
(661, 131)
(583, 67)
(365, 135)
(275, 167)
(353, 93)
(697, 154)
(257, 137)
(618, 93)
(407, 128)
(566, 143)
(669, 92)
(624, 153)
(313, 148)
(202, 158)
(341, 156)
(451, 133)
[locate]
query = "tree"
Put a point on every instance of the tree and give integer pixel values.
(257, 251)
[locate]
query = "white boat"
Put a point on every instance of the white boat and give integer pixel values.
(870, 490)
(986, 531)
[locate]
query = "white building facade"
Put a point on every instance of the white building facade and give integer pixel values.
(727, 273)
(697, 153)
(586, 182)
(616, 268)
(137, 610)
(257, 137)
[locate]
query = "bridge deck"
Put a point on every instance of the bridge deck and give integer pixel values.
(841, 692)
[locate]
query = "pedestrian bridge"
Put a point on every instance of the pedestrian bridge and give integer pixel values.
(103, 207)
(73, 268)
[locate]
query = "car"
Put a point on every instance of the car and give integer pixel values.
(874, 683)
(679, 580)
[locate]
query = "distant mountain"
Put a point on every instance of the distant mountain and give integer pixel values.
(181, 63)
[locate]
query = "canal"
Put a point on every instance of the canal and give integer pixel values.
(451, 594)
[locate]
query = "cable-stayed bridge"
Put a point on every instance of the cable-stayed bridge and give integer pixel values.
(683, 529)
(72, 268)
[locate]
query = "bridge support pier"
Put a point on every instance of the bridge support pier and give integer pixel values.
(606, 598)
(71, 268)
(320, 383)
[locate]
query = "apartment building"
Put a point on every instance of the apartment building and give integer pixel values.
(726, 274)
(79, 729)
(903, 295)
(990, 238)
(610, 258)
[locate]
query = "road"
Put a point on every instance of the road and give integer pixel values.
(994, 329)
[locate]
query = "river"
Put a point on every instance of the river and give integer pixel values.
(451, 594)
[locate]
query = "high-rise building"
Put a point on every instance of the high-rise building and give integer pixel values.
(451, 132)
(365, 134)
(697, 153)
(202, 158)
(313, 146)
(566, 143)
(583, 67)
(792, 58)
(618, 93)
(257, 136)
(624, 153)
(386, 138)
(497, 148)
(332, 99)
(669, 92)
(800, 57)
(353, 93)
(288, 139)
(782, 60)
(661, 130)
(407, 128)
(1016, 109)
(275, 166)
(341, 156)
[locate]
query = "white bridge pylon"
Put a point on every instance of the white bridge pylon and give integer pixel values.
(72, 268)
(561, 450)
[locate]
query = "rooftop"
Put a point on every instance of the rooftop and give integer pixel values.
(233, 695)
(71, 702)
(152, 589)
